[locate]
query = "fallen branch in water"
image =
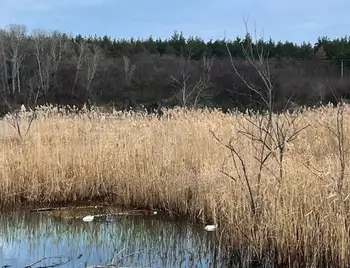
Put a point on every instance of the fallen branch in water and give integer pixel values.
(62, 208)
(114, 260)
(52, 265)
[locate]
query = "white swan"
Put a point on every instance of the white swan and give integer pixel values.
(211, 228)
(88, 218)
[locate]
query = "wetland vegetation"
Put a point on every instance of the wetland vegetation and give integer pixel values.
(274, 179)
(175, 165)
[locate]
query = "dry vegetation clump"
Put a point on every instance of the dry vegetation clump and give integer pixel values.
(176, 164)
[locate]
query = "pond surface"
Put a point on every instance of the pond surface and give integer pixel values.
(42, 240)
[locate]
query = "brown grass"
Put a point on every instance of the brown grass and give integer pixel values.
(174, 163)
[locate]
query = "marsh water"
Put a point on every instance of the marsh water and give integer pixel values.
(45, 240)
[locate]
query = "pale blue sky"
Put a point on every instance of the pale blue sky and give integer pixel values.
(294, 21)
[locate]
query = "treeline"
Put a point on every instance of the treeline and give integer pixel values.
(195, 47)
(53, 67)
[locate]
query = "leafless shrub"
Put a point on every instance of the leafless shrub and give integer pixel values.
(269, 133)
(338, 132)
(16, 118)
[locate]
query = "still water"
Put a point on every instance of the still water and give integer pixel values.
(39, 240)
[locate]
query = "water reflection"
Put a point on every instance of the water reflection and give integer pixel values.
(143, 241)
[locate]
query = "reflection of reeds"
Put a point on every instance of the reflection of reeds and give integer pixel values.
(174, 163)
(140, 240)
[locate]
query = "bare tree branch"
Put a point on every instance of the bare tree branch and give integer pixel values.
(188, 92)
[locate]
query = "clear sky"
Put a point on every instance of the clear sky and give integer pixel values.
(295, 21)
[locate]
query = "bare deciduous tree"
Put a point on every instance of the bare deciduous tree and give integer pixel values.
(129, 70)
(16, 53)
(269, 133)
(92, 60)
(189, 91)
(4, 62)
(79, 49)
(48, 49)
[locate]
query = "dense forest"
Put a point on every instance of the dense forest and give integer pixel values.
(52, 67)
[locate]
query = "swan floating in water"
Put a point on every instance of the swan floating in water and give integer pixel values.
(211, 228)
(88, 218)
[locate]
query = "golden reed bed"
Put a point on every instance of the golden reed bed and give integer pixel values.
(175, 163)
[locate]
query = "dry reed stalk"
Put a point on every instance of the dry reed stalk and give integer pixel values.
(174, 163)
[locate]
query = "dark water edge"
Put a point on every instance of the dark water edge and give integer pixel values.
(42, 240)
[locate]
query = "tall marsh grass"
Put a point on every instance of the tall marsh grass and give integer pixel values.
(174, 163)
